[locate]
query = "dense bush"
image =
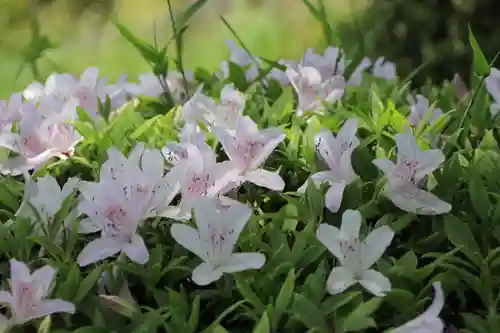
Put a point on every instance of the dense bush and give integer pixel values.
(415, 32)
(317, 195)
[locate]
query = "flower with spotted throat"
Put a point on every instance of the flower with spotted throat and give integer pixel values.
(356, 257)
(215, 239)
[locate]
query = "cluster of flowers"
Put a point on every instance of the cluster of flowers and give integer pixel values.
(133, 188)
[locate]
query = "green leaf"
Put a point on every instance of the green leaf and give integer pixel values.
(45, 325)
(147, 51)
(360, 319)
(284, 297)
(308, 313)
(479, 197)
(182, 20)
(247, 292)
(460, 235)
(263, 325)
(223, 315)
(481, 66)
(192, 324)
(87, 284)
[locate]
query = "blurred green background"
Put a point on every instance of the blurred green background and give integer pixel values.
(408, 32)
(85, 37)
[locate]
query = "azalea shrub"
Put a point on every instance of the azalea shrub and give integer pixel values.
(312, 195)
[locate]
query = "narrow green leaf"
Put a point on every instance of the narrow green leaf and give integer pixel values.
(284, 297)
(308, 313)
(263, 326)
(360, 319)
(87, 284)
(460, 235)
(481, 66)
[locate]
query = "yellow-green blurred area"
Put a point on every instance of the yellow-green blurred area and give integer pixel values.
(84, 35)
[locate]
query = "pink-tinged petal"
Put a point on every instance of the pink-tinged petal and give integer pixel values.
(239, 262)
(328, 148)
(19, 273)
(136, 250)
(333, 89)
(99, 249)
(50, 306)
(223, 174)
(267, 179)
(90, 77)
(329, 235)
(375, 283)
(347, 135)
(271, 138)
(189, 238)
(333, 197)
(339, 280)
(205, 274)
(386, 166)
(43, 277)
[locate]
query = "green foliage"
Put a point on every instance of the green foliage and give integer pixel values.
(430, 32)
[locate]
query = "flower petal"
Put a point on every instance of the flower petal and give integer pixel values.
(19, 273)
(51, 306)
(188, 237)
(418, 201)
(328, 235)
(428, 161)
(136, 250)
(351, 223)
(385, 165)
(333, 197)
(5, 297)
(43, 277)
(374, 245)
(267, 179)
(99, 249)
(238, 262)
(152, 163)
(375, 283)
(339, 280)
(205, 274)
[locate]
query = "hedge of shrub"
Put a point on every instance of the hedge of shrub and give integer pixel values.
(431, 32)
(311, 195)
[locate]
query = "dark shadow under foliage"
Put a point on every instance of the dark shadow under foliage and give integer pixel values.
(414, 32)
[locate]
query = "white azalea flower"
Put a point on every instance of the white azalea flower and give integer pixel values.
(151, 85)
(42, 200)
(248, 149)
(429, 321)
(27, 299)
(215, 239)
(197, 107)
(336, 153)
(412, 166)
(115, 211)
(280, 75)
(203, 177)
(143, 171)
(384, 69)
(356, 77)
(492, 83)
(420, 109)
(43, 134)
(312, 91)
(355, 256)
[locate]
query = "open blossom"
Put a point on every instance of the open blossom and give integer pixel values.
(225, 114)
(384, 69)
(115, 210)
(153, 86)
(202, 177)
(248, 149)
(336, 153)
(420, 109)
(27, 298)
(429, 321)
(215, 239)
(144, 171)
(11, 110)
(356, 257)
(312, 91)
(43, 133)
(89, 90)
(404, 177)
(333, 63)
(280, 75)
(42, 200)
(492, 83)
(241, 58)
